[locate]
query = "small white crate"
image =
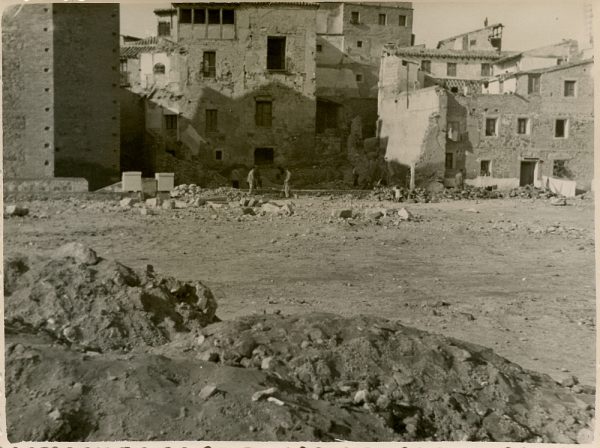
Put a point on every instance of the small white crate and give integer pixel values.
(131, 181)
(165, 181)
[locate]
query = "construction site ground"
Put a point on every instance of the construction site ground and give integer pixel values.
(515, 275)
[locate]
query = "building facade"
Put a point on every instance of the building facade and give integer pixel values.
(61, 92)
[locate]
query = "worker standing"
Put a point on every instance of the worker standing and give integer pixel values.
(459, 179)
(251, 179)
(286, 182)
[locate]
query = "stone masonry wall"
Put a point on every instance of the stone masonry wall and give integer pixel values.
(27, 91)
(86, 92)
(508, 148)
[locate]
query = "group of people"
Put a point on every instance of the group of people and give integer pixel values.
(255, 181)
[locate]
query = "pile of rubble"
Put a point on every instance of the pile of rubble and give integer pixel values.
(98, 351)
(402, 194)
(191, 193)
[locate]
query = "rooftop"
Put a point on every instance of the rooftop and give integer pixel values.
(147, 45)
(441, 53)
(555, 68)
(448, 39)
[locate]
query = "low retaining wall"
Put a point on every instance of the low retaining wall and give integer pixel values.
(50, 185)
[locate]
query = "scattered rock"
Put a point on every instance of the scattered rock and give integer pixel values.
(405, 215)
(127, 202)
(168, 204)
(15, 210)
(558, 201)
(343, 214)
(79, 252)
(256, 396)
(276, 401)
(207, 392)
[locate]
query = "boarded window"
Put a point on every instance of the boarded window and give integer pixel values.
(473, 42)
(159, 69)
(560, 128)
(491, 127)
(533, 84)
(264, 156)
(319, 48)
(209, 62)
(382, 19)
(275, 53)
(486, 70)
(451, 69)
(164, 29)
(228, 17)
(523, 126)
(214, 16)
(402, 20)
(263, 115)
(211, 120)
(185, 15)
(485, 168)
(426, 66)
(569, 88)
(354, 17)
(170, 122)
(199, 15)
(449, 161)
(359, 43)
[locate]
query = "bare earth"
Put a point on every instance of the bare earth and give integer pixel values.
(483, 277)
(513, 275)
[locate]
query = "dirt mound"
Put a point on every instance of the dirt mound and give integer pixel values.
(100, 304)
(308, 377)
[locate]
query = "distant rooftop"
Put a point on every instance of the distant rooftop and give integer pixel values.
(490, 27)
(147, 45)
(442, 53)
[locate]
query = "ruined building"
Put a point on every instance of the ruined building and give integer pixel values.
(226, 86)
(60, 66)
(538, 129)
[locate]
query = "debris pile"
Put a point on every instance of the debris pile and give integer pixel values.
(101, 305)
(531, 192)
(98, 351)
(190, 193)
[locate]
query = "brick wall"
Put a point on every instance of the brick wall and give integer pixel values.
(27, 91)
(86, 89)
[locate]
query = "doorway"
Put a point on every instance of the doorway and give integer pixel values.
(527, 172)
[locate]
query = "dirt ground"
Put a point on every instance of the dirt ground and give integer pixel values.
(487, 272)
(513, 275)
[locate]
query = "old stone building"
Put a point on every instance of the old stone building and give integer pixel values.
(540, 132)
(61, 92)
(241, 90)
(488, 38)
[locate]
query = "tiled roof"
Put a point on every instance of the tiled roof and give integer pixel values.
(147, 45)
(448, 39)
(554, 68)
(441, 53)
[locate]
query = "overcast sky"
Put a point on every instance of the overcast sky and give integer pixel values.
(528, 24)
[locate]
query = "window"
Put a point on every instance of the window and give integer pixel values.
(354, 17)
(485, 168)
(159, 69)
(199, 15)
(449, 161)
(561, 128)
(451, 69)
(426, 66)
(491, 127)
(214, 16)
(263, 156)
(560, 169)
(171, 122)
(533, 84)
(211, 120)
(228, 17)
(453, 130)
(569, 88)
(263, 116)
(402, 20)
(473, 42)
(319, 48)
(359, 43)
(501, 86)
(359, 77)
(164, 29)
(209, 60)
(486, 70)
(327, 116)
(275, 53)
(523, 126)
(185, 15)
(382, 19)
(218, 154)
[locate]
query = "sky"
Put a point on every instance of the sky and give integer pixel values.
(527, 24)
